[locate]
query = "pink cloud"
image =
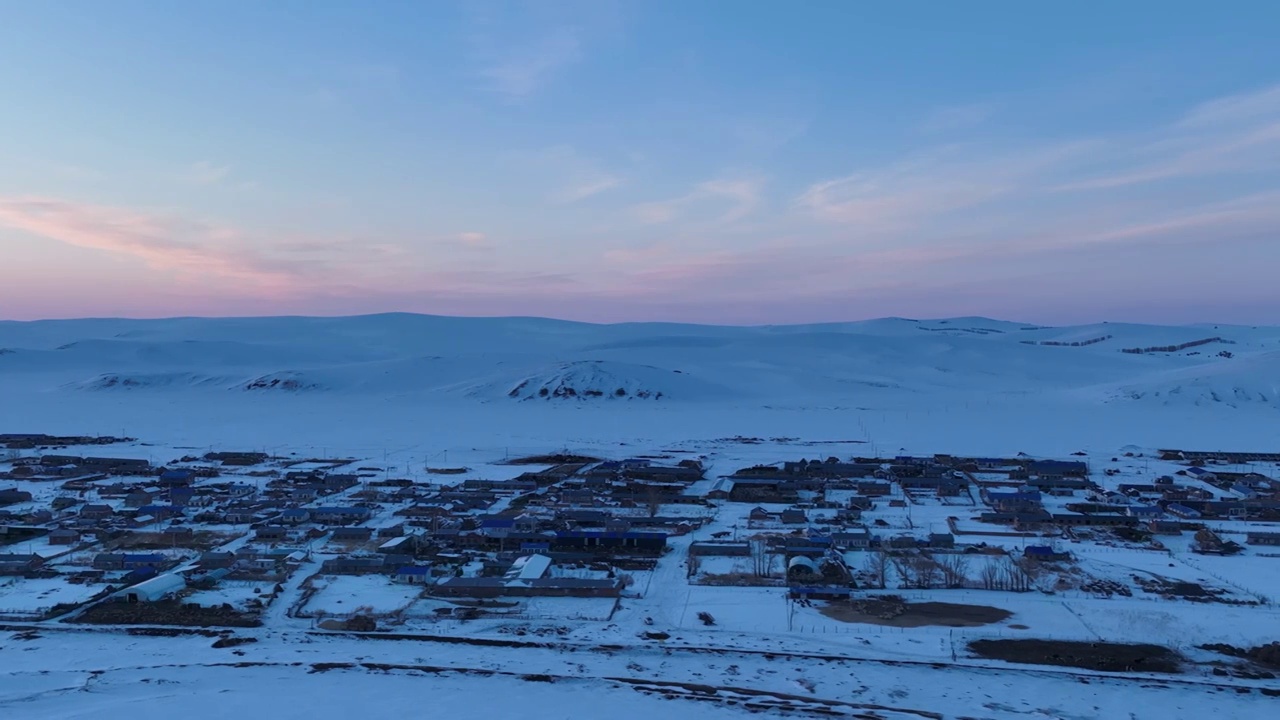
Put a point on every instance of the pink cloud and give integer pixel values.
(162, 243)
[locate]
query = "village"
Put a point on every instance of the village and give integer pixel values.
(664, 541)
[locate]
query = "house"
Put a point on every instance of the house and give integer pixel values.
(117, 466)
(793, 516)
(1057, 468)
(942, 540)
(1044, 552)
(1263, 538)
(852, 539)
(14, 496)
(177, 534)
(1244, 491)
(352, 534)
(181, 496)
(19, 564)
(943, 485)
(336, 515)
(721, 489)
(1182, 511)
(1057, 485)
(140, 497)
(159, 512)
(413, 574)
(1015, 501)
(64, 536)
(214, 560)
(587, 540)
(716, 549)
(354, 565)
(1200, 473)
(272, 533)
(1164, 527)
(128, 561)
(175, 478)
(526, 568)
(873, 488)
(96, 512)
(1144, 511)
(295, 516)
(338, 482)
(397, 545)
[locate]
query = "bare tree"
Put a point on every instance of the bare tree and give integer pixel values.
(906, 570)
(877, 566)
(990, 575)
(955, 569)
(653, 500)
(761, 559)
(928, 573)
(1013, 576)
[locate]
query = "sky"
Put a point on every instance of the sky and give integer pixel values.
(719, 161)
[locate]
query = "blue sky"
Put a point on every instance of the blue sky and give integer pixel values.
(736, 162)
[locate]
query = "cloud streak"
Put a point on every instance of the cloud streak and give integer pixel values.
(162, 243)
(742, 195)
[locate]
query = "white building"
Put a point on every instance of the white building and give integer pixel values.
(160, 587)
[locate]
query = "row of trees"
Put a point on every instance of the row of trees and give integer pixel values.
(948, 570)
(1171, 348)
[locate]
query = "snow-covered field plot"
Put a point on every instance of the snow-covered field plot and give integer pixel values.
(1247, 574)
(734, 608)
(239, 594)
(554, 608)
(20, 596)
(1150, 572)
(347, 594)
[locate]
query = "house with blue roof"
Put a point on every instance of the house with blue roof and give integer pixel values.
(413, 574)
(340, 515)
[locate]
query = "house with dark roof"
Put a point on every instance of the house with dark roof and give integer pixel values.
(1044, 552)
(1262, 538)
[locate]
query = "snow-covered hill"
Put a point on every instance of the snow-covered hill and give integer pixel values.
(523, 359)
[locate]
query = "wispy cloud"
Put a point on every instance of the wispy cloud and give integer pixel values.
(741, 195)
(999, 187)
(1235, 134)
(915, 190)
(572, 176)
(473, 238)
(163, 243)
(521, 70)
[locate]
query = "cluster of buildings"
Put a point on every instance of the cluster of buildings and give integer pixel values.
(574, 529)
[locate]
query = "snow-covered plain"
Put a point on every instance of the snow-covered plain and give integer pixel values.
(407, 392)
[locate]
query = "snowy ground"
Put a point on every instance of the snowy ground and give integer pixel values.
(86, 674)
(236, 593)
(19, 596)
